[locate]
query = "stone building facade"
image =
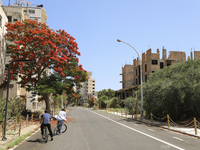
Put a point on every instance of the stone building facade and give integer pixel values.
(3, 21)
(13, 13)
(151, 62)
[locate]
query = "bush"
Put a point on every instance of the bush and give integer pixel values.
(15, 108)
(85, 105)
(113, 103)
(130, 105)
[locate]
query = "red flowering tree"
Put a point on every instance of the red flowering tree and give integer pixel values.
(51, 50)
(91, 101)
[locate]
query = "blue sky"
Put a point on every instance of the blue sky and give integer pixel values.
(97, 24)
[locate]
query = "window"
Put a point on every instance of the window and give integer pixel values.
(145, 67)
(136, 72)
(168, 63)
(25, 10)
(161, 65)
(154, 62)
(31, 11)
(93, 84)
(136, 82)
(145, 78)
(11, 85)
(152, 71)
(9, 19)
(139, 80)
(15, 20)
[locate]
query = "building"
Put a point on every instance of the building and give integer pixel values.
(3, 21)
(21, 12)
(151, 62)
(87, 89)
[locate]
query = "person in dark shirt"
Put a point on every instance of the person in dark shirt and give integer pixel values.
(46, 122)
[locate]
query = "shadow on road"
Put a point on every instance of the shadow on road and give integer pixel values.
(37, 140)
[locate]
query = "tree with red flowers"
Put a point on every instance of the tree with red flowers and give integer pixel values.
(91, 101)
(51, 50)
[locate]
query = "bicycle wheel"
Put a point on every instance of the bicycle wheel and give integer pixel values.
(56, 130)
(46, 135)
(64, 128)
(43, 135)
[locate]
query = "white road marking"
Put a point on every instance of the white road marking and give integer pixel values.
(150, 129)
(141, 132)
(178, 138)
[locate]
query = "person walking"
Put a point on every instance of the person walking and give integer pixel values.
(61, 117)
(45, 117)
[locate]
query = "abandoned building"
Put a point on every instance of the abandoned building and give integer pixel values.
(151, 62)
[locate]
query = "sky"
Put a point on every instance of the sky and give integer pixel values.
(97, 24)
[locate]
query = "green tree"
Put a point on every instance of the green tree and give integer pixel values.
(101, 101)
(174, 90)
(109, 93)
(108, 99)
(130, 105)
(114, 102)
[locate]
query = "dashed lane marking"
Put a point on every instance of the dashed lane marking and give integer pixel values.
(177, 138)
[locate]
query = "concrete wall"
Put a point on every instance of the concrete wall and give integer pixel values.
(148, 65)
(3, 21)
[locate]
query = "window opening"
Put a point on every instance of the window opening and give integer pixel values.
(154, 62)
(161, 65)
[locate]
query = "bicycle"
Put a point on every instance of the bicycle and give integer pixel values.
(57, 128)
(45, 134)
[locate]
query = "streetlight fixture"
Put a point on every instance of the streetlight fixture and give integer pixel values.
(140, 73)
(8, 82)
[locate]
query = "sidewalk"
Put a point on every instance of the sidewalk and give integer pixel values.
(186, 131)
(24, 130)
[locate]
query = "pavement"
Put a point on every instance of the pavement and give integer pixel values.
(187, 131)
(24, 130)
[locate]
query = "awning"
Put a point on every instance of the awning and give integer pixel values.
(128, 88)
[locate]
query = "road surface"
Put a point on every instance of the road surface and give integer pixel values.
(94, 130)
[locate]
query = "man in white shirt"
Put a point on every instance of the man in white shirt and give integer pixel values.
(61, 118)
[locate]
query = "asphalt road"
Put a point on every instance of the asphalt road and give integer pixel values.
(94, 130)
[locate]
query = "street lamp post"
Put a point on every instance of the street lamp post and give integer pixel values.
(140, 73)
(8, 82)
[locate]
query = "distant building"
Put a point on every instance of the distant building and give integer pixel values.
(151, 62)
(87, 89)
(19, 12)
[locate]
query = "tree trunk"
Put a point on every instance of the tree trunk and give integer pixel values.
(47, 102)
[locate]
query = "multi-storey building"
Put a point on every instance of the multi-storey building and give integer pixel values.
(151, 62)
(3, 20)
(87, 89)
(19, 12)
